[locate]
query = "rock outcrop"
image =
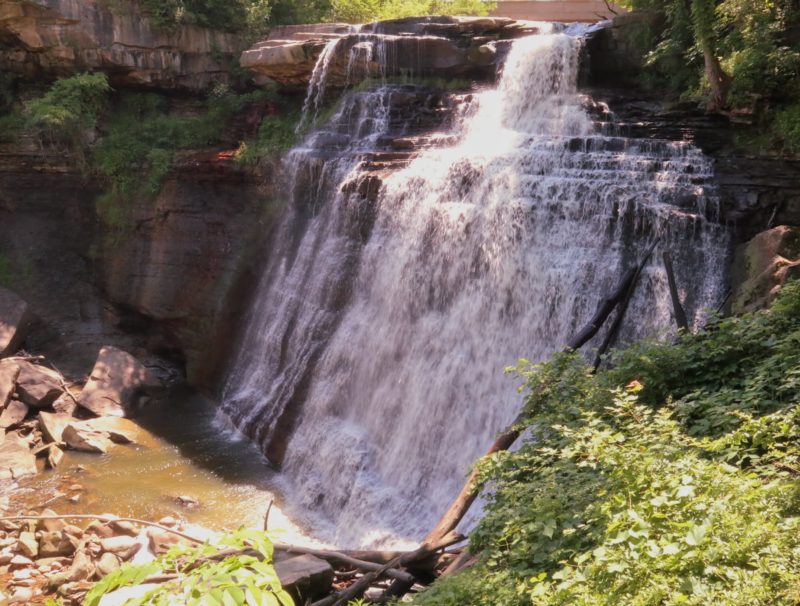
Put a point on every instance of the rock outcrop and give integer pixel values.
(49, 38)
(439, 47)
(762, 266)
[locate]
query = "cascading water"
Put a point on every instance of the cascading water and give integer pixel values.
(382, 350)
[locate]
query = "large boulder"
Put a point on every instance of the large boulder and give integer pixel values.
(16, 458)
(80, 436)
(116, 379)
(15, 319)
(64, 37)
(762, 266)
(38, 386)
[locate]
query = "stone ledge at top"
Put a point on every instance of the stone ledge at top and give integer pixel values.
(441, 47)
(58, 38)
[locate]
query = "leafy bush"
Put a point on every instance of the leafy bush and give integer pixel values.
(362, 11)
(670, 479)
(233, 581)
(276, 134)
(68, 110)
(787, 128)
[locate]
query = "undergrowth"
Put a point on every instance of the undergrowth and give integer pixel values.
(236, 580)
(670, 478)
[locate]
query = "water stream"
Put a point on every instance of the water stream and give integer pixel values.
(373, 357)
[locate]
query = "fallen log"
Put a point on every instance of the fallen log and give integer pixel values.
(677, 308)
(338, 556)
(611, 335)
(604, 309)
(357, 589)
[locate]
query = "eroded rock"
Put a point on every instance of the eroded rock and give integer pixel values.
(79, 436)
(14, 413)
(53, 424)
(9, 371)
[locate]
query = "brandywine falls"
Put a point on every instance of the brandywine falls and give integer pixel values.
(299, 277)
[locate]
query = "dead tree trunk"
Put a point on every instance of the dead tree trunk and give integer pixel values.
(677, 308)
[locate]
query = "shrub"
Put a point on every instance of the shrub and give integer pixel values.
(787, 128)
(669, 479)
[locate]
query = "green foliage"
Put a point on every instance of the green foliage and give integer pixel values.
(787, 128)
(143, 136)
(234, 581)
(228, 15)
(276, 135)
(361, 11)
(69, 109)
(670, 479)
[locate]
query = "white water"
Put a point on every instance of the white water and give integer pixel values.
(382, 350)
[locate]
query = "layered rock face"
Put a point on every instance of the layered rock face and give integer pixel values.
(440, 47)
(50, 38)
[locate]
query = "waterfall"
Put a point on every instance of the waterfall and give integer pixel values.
(372, 365)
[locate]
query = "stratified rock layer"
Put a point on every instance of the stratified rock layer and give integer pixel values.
(62, 37)
(440, 47)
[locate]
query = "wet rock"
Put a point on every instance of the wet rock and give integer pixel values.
(187, 501)
(16, 458)
(9, 371)
(38, 386)
(14, 413)
(305, 577)
(54, 525)
(123, 546)
(53, 424)
(27, 545)
(119, 430)
(15, 319)
(762, 266)
(116, 379)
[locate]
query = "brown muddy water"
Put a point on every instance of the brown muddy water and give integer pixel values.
(183, 450)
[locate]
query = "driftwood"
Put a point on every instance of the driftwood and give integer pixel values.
(604, 309)
(357, 589)
(611, 335)
(677, 308)
(343, 558)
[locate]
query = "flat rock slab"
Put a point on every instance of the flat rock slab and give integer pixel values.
(13, 414)
(16, 458)
(79, 436)
(38, 386)
(15, 319)
(9, 371)
(115, 380)
(305, 577)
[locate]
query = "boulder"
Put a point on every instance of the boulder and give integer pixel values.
(27, 545)
(38, 386)
(16, 458)
(306, 577)
(13, 414)
(117, 377)
(125, 547)
(55, 544)
(15, 319)
(9, 371)
(161, 541)
(107, 564)
(79, 436)
(53, 424)
(762, 266)
(119, 430)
